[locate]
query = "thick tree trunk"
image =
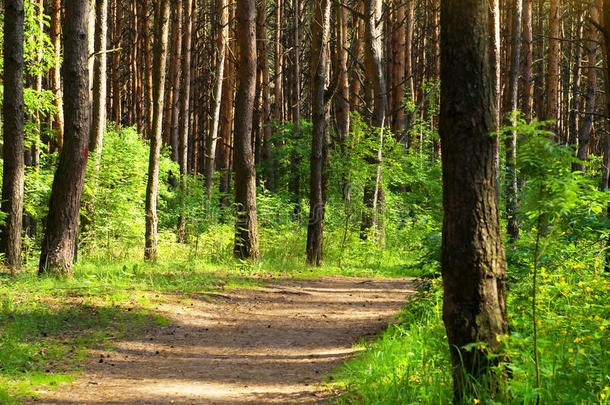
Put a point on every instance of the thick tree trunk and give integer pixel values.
(13, 133)
(98, 122)
(320, 29)
(510, 142)
(212, 139)
(473, 261)
(159, 76)
(246, 226)
(58, 245)
(58, 118)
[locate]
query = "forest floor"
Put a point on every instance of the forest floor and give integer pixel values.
(265, 345)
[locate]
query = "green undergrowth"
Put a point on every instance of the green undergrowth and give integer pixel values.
(409, 363)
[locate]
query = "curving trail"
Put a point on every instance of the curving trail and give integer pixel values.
(268, 345)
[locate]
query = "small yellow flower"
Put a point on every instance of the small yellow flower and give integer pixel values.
(597, 318)
(580, 283)
(595, 281)
(602, 328)
(602, 396)
(570, 350)
(588, 289)
(581, 351)
(577, 340)
(564, 332)
(606, 388)
(476, 401)
(556, 344)
(538, 322)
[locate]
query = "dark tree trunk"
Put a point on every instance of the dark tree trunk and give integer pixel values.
(473, 260)
(13, 134)
(320, 29)
(246, 227)
(159, 76)
(58, 245)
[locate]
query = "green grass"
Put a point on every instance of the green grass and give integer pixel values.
(409, 363)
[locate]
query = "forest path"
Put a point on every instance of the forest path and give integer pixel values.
(269, 345)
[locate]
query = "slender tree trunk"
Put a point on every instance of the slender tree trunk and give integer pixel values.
(373, 192)
(341, 99)
(58, 245)
(159, 77)
(552, 85)
(587, 122)
(98, 122)
(472, 261)
(527, 47)
(212, 140)
(58, 118)
(320, 29)
(576, 75)
(265, 94)
(176, 69)
(399, 70)
(13, 133)
(246, 227)
(295, 181)
(185, 113)
(225, 150)
(278, 63)
(510, 142)
(117, 84)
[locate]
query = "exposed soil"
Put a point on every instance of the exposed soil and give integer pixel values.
(269, 345)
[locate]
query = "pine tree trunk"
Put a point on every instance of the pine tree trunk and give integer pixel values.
(510, 142)
(587, 122)
(58, 245)
(246, 227)
(552, 85)
(341, 99)
(527, 47)
(13, 133)
(159, 77)
(212, 140)
(176, 78)
(98, 122)
(320, 29)
(58, 118)
(473, 261)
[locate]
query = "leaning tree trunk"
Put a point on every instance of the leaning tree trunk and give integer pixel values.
(246, 227)
(13, 134)
(58, 245)
(473, 261)
(159, 76)
(320, 29)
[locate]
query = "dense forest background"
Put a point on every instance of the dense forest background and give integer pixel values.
(292, 137)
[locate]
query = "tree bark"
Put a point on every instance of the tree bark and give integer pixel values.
(13, 133)
(398, 69)
(527, 47)
(320, 29)
(473, 261)
(159, 77)
(58, 118)
(98, 122)
(176, 74)
(587, 122)
(58, 245)
(510, 142)
(552, 85)
(373, 190)
(246, 227)
(212, 140)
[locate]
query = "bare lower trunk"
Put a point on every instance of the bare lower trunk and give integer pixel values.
(473, 261)
(98, 122)
(320, 28)
(246, 227)
(159, 76)
(13, 134)
(57, 250)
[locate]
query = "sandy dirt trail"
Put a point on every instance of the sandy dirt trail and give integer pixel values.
(270, 345)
